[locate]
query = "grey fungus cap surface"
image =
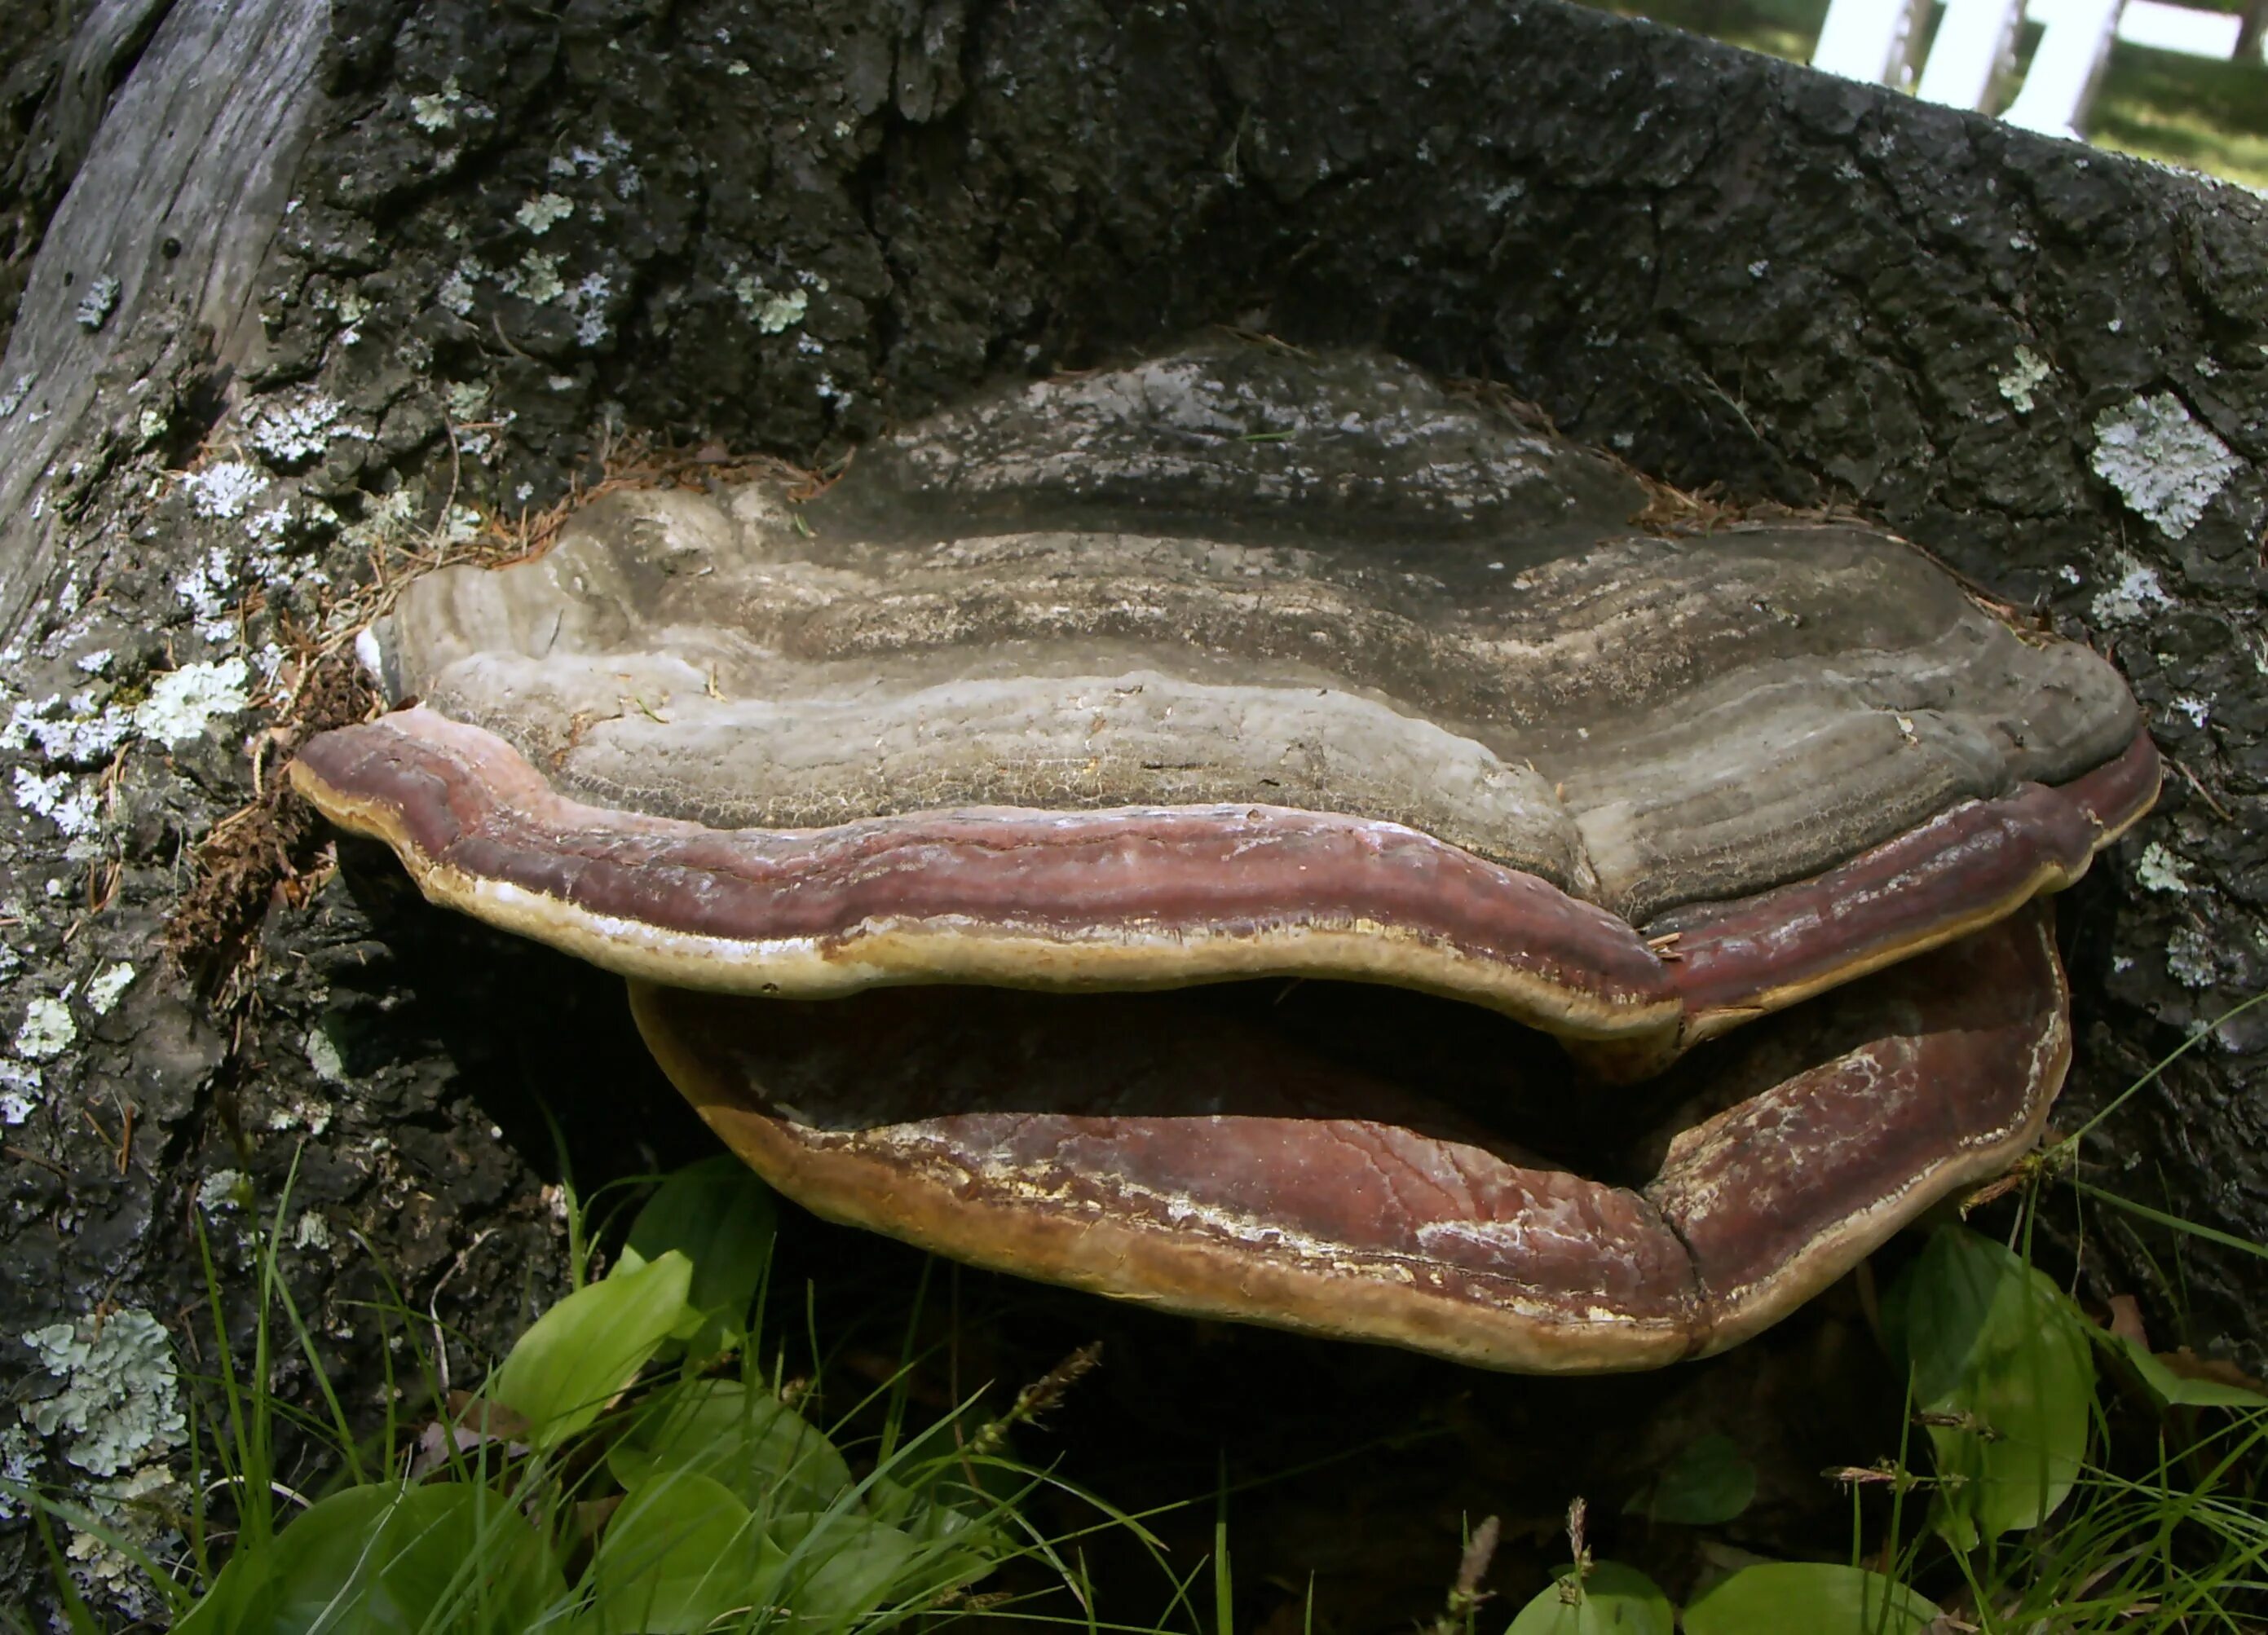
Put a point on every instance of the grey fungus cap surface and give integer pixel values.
(1236, 663)
(1131, 1146)
(1231, 577)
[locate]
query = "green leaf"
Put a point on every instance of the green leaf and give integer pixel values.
(1707, 1482)
(721, 1217)
(2004, 1377)
(680, 1554)
(2172, 1389)
(1808, 1598)
(762, 1451)
(385, 1560)
(586, 1349)
(932, 1512)
(1614, 1600)
(844, 1566)
(932, 1486)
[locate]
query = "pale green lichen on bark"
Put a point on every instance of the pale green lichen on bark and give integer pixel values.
(119, 1401)
(2029, 371)
(2165, 466)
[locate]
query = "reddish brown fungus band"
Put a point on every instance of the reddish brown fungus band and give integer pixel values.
(1216, 1173)
(1083, 899)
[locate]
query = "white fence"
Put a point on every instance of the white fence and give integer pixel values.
(1875, 39)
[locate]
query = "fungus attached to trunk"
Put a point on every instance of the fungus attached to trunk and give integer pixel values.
(1204, 1157)
(1242, 664)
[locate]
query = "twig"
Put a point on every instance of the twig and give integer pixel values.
(2204, 794)
(25, 1155)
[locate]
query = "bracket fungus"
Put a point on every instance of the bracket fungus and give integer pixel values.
(1243, 663)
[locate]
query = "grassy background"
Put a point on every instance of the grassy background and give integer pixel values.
(2207, 116)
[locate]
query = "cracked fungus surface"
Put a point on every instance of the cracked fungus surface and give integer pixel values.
(1241, 663)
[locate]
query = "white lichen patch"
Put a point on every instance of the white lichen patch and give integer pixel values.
(103, 989)
(544, 212)
(223, 1191)
(206, 590)
(772, 312)
(182, 702)
(47, 1030)
(2016, 385)
(19, 1457)
(438, 112)
(290, 434)
(2135, 595)
(95, 307)
(132, 1509)
(2198, 710)
(588, 303)
(323, 1055)
(536, 279)
(224, 489)
(780, 311)
(2190, 958)
(457, 290)
(387, 522)
(20, 1083)
(267, 526)
(2165, 465)
(352, 308)
(118, 1402)
(2159, 870)
(65, 801)
(311, 1231)
(312, 1114)
(82, 736)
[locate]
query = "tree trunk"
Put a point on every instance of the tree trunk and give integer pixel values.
(2249, 33)
(328, 277)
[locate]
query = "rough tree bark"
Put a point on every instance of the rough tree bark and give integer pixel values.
(301, 284)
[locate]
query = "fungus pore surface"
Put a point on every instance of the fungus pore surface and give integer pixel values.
(1246, 663)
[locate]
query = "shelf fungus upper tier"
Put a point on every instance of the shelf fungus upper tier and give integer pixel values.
(1241, 663)
(1235, 663)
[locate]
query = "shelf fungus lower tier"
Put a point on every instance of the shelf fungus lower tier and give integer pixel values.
(1200, 1154)
(1238, 664)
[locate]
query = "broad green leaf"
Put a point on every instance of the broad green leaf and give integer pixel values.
(390, 1562)
(769, 1456)
(722, 1217)
(2004, 1377)
(2172, 1389)
(1614, 1600)
(934, 1512)
(1707, 1482)
(680, 1554)
(578, 1354)
(841, 1566)
(1808, 1598)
